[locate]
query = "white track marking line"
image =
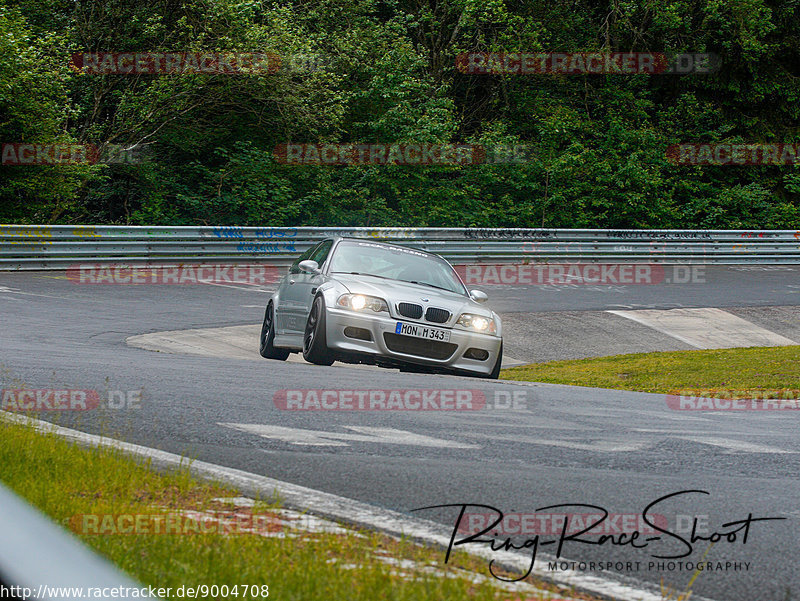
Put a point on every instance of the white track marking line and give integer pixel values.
(611, 413)
(515, 419)
(706, 328)
(245, 286)
(355, 512)
(695, 432)
(735, 446)
(600, 445)
(7, 290)
(324, 438)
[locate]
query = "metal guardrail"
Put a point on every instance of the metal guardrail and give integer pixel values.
(36, 554)
(61, 246)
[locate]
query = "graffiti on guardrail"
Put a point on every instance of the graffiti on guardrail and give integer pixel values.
(276, 233)
(82, 232)
(237, 233)
(228, 231)
(645, 235)
(29, 236)
(251, 247)
(479, 234)
(759, 235)
(389, 234)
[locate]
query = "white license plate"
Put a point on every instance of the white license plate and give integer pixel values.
(419, 331)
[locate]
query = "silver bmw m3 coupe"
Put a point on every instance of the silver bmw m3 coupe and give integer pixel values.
(359, 301)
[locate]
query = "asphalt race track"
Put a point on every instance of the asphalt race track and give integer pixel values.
(558, 445)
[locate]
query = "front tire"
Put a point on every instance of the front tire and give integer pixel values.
(315, 345)
(266, 348)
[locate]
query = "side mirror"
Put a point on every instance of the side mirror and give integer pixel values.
(478, 296)
(309, 266)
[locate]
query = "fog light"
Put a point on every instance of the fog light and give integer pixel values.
(358, 333)
(477, 353)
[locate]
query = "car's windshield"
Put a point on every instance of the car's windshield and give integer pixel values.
(403, 264)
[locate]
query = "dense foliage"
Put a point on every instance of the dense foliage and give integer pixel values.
(384, 71)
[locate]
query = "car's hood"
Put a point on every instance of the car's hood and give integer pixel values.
(395, 291)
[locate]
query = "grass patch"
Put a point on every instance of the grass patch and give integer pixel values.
(64, 480)
(766, 369)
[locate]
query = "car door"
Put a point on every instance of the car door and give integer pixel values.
(302, 287)
(288, 299)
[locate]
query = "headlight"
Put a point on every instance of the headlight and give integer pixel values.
(361, 302)
(477, 323)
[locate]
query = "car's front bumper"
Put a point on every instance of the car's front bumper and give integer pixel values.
(385, 343)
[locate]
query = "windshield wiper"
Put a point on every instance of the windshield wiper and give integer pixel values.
(427, 284)
(383, 277)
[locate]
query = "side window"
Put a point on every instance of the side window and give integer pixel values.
(316, 253)
(321, 252)
(304, 257)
